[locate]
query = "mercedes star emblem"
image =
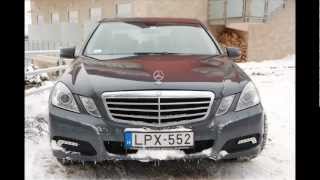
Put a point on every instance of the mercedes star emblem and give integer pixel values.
(158, 76)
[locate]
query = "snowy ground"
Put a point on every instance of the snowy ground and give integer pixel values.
(275, 81)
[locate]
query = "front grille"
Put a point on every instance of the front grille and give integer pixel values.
(158, 107)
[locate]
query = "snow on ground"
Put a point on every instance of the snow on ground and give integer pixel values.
(275, 80)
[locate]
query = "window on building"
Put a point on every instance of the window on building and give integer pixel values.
(95, 14)
(123, 9)
(40, 19)
(54, 18)
(73, 17)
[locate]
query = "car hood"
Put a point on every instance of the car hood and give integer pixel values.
(95, 75)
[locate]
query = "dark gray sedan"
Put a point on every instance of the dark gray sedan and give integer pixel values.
(154, 88)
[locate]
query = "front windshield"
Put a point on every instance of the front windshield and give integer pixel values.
(119, 38)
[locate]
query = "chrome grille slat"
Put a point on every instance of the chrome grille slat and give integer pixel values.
(177, 103)
(128, 109)
(127, 103)
(181, 115)
(135, 116)
(151, 107)
(182, 109)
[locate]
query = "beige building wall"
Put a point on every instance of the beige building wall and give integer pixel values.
(62, 31)
(172, 8)
(140, 8)
(274, 39)
(46, 7)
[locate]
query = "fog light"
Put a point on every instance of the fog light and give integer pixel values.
(253, 140)
(61, 142)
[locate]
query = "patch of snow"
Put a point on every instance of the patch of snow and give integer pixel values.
(36, 105)
(35, 80)
(222, 154)
(207, 152)
(157, 154)
(36, 115)
(44, 76)
(55, 146)
(30, 68)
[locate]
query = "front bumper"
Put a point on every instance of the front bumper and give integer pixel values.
(96, 136)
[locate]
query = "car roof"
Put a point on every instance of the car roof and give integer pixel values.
(152, 19)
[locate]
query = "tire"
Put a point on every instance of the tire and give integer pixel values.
(262, 146)
(265, 134)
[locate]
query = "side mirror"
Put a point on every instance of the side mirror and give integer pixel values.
(67, 52)
(233, 52)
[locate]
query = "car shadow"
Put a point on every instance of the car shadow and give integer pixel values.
(177, 169)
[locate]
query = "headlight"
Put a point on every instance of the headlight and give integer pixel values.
(224, 105)
(63, 98)
(90, 106)
(248, 98)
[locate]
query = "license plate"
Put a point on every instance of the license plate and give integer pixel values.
(139, 140)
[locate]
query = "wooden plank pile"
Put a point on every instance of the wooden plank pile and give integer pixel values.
(230, 38)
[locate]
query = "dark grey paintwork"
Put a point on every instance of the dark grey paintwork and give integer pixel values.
(91, 76)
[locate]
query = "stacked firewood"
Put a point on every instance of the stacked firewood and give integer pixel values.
(230, 38)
